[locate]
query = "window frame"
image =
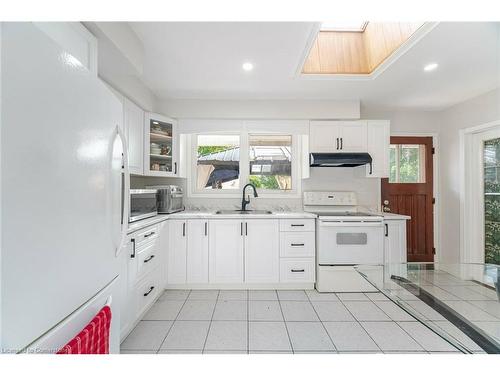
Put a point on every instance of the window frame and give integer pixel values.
(194, 192)
(397, 158)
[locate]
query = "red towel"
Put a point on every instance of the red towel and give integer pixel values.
(94, 338)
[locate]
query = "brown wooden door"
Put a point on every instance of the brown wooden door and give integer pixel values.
(409, 191)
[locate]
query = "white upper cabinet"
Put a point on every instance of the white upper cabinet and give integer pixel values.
(197, 252)
(338, 136)
(133, 120)
(261, 251)
(161, 153)
(379, 134)
(226, 251)
(352, 136)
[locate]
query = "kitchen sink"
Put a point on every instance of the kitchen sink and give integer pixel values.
(241, 212)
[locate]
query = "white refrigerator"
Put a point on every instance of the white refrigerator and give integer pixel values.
(62, 180)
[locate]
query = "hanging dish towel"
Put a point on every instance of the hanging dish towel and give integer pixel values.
(94, 338)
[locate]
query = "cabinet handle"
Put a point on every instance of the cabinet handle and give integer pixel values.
(337, 143)
(150, 290)
(246, 229)
(341, 143)
(206, 228)
(183, 229)
(175, 168)
(386, 230)
(241, 228)
(150, 258)
(297, 244)
(297, 225)
(133, 248)
(302, 270)
(149, 234)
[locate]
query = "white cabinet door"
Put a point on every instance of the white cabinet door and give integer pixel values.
(395, 242)
(134, 129)
(197, 251)
(353, 136)
(161, 151)
(177, 252)
(323, 136)
(261, 251)
(379, 135)
(226, 251)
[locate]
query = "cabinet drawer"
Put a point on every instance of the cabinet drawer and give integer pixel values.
(147, 258)
(146, 234)
(297, 225)
(297, 270)
(146, 292)
(297, 244)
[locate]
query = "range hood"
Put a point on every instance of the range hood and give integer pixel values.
(340, 159)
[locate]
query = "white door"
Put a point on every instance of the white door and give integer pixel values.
(324, 136)
(134, 123)
(379, 139)
(226, 251)
(176, 273)
(353, 136)
(197, 251)
(262, 251)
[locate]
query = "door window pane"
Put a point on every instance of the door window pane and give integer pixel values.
(270, 159)
(218, 162)
(491, 160)
(407, 164)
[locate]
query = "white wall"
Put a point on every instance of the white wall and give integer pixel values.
(261, 109)
(477, 111)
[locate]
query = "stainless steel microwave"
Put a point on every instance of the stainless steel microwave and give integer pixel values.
(169, 198)
(143, 204)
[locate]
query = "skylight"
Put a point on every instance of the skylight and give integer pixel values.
(356, 26)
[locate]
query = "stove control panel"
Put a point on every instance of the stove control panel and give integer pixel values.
(330, 198)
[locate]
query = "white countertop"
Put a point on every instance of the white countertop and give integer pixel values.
(391, 216)
(212, 215)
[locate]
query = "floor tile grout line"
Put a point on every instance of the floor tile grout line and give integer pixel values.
(173, 322)
(409, 334)
(284, 321)
(210, 325)
(361, 325)
(322, 324)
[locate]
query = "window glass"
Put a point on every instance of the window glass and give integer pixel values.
(407, 164)
(491, 161)
(218, 162)
(270, 158)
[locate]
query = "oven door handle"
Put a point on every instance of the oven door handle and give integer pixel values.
(358, 224)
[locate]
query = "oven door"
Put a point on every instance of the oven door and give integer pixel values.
(142, 204)
(348, 243)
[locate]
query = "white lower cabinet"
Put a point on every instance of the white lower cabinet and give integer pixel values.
(261, 239)
(197, 251)
(395, 242)
(177, 257)
(297, 270)
(226, 251)
(188, 252)
(142, 273)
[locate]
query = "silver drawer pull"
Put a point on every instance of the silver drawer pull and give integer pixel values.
(302, 270)
(150, 258)
(150, 290)
(297, 244)
(297, 225)
(149, 234)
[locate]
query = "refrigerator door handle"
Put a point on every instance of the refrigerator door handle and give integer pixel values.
(124, 190)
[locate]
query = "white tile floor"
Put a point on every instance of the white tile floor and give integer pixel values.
(240, 321)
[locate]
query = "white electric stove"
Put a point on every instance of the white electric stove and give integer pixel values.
(345, 237)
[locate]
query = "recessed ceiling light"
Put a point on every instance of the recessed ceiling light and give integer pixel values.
(430, 67)
(248, 66)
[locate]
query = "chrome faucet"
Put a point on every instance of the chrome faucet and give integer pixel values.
(244, 201)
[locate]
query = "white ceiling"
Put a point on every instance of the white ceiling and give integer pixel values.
(203, 61)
